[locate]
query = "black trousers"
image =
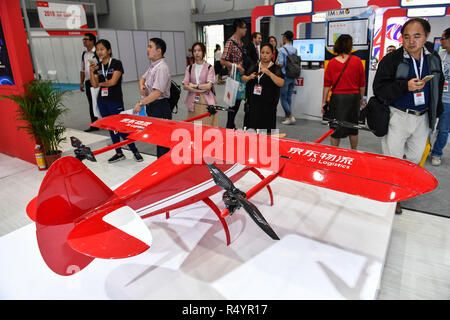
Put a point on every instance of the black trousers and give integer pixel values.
(87, 86)
(232, 115)
(160, 109)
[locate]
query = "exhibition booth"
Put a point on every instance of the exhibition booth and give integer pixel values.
(332, 244)
(373, 28)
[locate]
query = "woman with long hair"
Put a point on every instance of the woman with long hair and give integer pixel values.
(107, 75)
(347, 95)
(199, 82)
(273, 42)
(217, 66)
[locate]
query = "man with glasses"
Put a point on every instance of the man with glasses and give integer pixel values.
(411, 80)
(89, 56)
(233, 53)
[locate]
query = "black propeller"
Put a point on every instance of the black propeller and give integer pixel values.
(334, 124)
(235, 198)
(213, 109)
(81, 151)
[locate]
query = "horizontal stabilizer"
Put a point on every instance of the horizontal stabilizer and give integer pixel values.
(68, 192)
(111, 233)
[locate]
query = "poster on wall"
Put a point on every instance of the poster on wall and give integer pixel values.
(61, 16)
(357, 28)
(6, 76)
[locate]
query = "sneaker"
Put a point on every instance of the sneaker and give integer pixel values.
(398, 208)
(90, 129)
(138, 157)
(289, 121)
(117, 157)
(435, 161)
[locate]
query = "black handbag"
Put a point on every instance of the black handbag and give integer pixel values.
(378, 115)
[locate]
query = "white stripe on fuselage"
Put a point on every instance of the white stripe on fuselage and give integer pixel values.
(185, 194)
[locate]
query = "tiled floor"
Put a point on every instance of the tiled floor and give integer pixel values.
(418, 256)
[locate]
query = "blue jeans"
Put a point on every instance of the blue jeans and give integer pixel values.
(286, 95)
(109, 108)
(443, 130)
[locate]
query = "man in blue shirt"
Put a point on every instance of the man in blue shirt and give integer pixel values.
(444, 120)
(288, 87)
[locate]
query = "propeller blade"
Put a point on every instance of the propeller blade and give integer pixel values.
(220, 178)
(256, 215)
(341, 123)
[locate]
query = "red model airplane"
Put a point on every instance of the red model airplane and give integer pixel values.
(79, 218)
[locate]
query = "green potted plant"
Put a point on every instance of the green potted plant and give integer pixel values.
(40, 109)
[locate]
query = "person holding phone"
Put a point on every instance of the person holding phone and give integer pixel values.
(414, 103)
(108, 76)
(264, 81)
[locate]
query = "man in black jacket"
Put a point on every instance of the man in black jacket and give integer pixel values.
(414, 103)
(253, 48)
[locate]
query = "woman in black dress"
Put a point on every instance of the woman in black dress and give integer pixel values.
(264, 81)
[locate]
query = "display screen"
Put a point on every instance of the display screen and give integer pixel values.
(357, 28)
(437, 45)
(6, 76)
(310, 49)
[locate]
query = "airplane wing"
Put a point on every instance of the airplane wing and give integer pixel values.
(368, 175)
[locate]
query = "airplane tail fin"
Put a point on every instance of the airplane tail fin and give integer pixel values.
(69, 190)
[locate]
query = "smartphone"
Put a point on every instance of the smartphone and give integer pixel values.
(428, 78)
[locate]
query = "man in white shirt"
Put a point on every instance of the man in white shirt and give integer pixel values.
(85, 84)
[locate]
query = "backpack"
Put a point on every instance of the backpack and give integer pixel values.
(175, 92)
(293, 65)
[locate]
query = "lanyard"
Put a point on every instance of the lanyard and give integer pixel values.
(259, 69)
(103, 69)
(443, 60)
(418, 75)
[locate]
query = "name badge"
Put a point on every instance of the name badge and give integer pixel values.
(197, 97)
(104, 92)
(445, 86)
(257, 90)
(419, 98)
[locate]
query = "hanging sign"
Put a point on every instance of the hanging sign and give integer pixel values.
(61, 16)
(6, 76)
(423, 3)
(292, 8)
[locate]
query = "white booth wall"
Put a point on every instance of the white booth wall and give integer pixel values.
(59, 58)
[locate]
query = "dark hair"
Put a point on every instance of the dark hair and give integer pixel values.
(238, 23)
(343, 44)
(217, 47)
(160, 44)
(105, 43)
(91, 36)
(272, 37)
(266, 44)
(255, 34)
(202, 47)
(425, 24)
(447, 33)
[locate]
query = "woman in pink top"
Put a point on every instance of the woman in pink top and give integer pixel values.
(199, 82)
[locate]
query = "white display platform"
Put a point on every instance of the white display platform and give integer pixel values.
(307, 96)
(333, 246)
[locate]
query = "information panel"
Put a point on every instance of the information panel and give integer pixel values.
(6, 76)
(357, 28)
(61, 16)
